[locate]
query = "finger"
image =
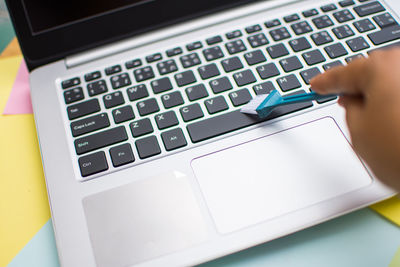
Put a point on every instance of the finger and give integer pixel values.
(350, 79)
(354, 116)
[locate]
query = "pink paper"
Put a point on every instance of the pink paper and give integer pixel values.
(19, 101)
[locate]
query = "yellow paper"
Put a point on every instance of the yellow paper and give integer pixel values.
(24, 206)
(390, 209)
(396, 259)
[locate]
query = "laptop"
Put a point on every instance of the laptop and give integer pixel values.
(147, 157)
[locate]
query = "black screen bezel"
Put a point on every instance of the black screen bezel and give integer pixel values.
(42, 48)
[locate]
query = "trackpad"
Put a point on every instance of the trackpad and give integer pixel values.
(144, 220)
(277, 174)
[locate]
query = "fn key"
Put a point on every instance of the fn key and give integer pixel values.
(93, 163)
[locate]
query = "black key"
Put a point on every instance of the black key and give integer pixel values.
(231, 64)
(133, 63)
(253, 28)
(278, 50)
(100, 140)
(153, 57)
(220, 85)
(208, 71)
(120, 80)
(336, 50)
(90, 124)
(174, 51)
(307, 75)
(137, 92)
(93, 163)
(299, 44)
(166, 120)
(254, 57)
(322, 22)
(194, 46)
(328, 7)
(196, 92)
(123, 114)
(343, 32)
(364, 25)
(173, 139)
(240, 97)
(147, 106)
(235, 46)
(345, 3)
(280, 34)
(216, 104)
(83, 109)
(214, 40)
(257, 40)
(225, 123)
(326, 99)
(384, 20)
(213, 53)
(172, 99)
(386, 35)
(167, 66)
(141, 127)
(290, 64)
(92, 76)
(301, 28)
(343, 15)
(332, 65)
(357, 44)
(313, 57)
(263, 88)
(272, 23)
(310, 13)
(121, 155)
(291, 18)
(288, 83)
(73, 95)
(244, 77)
(185, 78)
(354, 57)
(113, 69)
(147, 147)
(96, 88)
(191, 112)
(233, 34)
(161, 85)
(113, 100)
(267, 71)
(190, 60)
(70, 83)
(321, 38)
(369, 8)
(143, 74)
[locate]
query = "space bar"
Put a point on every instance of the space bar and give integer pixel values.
(225, 123)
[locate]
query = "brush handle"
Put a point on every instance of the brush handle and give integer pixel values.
(303, 98)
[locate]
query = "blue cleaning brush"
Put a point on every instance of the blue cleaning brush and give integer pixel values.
(263, 105)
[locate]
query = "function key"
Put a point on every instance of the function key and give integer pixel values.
(194, 46)
(174, 51)
(328, 7)
(291, 18)
(310, 13)
(113, 69)
(234, 34)
(253, 28)
(369, 8)
(153, 57)
(272, 23)
(345, 3)
(214, 40)
(92, 76)
(133, 63)
(71, 82)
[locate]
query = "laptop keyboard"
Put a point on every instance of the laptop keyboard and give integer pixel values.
(135, 110)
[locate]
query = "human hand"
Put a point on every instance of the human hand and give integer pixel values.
(370, 89)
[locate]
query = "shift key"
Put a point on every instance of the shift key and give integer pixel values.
(386, 35)
(99, 140)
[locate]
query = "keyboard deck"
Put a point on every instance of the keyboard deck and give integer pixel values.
(135, 110)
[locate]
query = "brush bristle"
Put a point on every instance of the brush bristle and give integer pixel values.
(250, 108)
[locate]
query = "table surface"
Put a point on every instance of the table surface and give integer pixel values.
(362, 238)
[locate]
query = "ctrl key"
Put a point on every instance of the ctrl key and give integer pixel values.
(93, 163)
